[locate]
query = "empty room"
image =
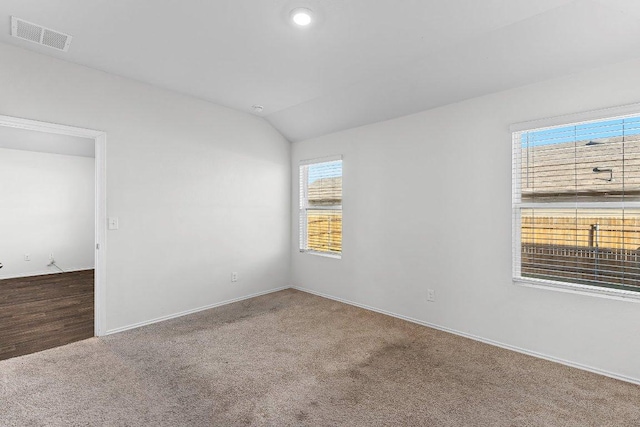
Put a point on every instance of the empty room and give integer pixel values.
(320, 213)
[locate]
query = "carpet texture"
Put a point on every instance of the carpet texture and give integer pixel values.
(294, 359)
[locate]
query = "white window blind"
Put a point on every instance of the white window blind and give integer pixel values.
(321, 206)
(576, 194)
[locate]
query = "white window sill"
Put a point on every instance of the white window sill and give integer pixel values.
(323, 254)
(574, 288)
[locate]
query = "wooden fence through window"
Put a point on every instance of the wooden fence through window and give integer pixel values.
(576, 264)
(324, 231)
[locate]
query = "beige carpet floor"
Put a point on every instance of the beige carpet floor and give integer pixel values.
(294, 359)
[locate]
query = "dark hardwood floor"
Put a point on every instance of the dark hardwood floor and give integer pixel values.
(41, 312)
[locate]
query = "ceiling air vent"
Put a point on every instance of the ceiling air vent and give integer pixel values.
(38, 34)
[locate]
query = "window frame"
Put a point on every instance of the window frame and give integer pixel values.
(632, 110)
(304, 207)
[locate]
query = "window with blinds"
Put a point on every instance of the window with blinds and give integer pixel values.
(321, 206)
(576, 194)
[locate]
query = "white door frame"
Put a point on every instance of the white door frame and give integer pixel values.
(100, 139)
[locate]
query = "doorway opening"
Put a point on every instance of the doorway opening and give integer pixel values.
(52, 263)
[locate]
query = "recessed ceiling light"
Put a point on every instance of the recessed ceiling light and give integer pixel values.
(302, 16)
(257, 108)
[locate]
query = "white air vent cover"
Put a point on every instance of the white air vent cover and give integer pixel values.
(38, 34)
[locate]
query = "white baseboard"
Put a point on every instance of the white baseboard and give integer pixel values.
(187, 312)
(388, 313)
(477, 338)
(44, 273)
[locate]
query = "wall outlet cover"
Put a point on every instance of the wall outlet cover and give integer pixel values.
(431, 295)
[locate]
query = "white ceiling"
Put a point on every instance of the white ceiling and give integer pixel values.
(43, 142)
(362, 62)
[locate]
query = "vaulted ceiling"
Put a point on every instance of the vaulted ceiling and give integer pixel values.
(361, 61)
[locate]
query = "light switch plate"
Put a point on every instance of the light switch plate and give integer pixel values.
(113, 223)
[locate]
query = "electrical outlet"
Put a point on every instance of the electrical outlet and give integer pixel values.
(234, 276)
(27, 257)
(431, 295)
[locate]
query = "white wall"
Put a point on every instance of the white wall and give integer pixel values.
(200, 190)
(427, 204)
(47, 206)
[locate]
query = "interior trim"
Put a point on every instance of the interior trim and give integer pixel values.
(585, 116)
(192, 311)
(480, 339)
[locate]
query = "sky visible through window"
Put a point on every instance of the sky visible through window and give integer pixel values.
(325, 170)
(583, 132)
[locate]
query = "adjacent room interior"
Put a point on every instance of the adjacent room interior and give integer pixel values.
(48, 223)
(302, 212)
